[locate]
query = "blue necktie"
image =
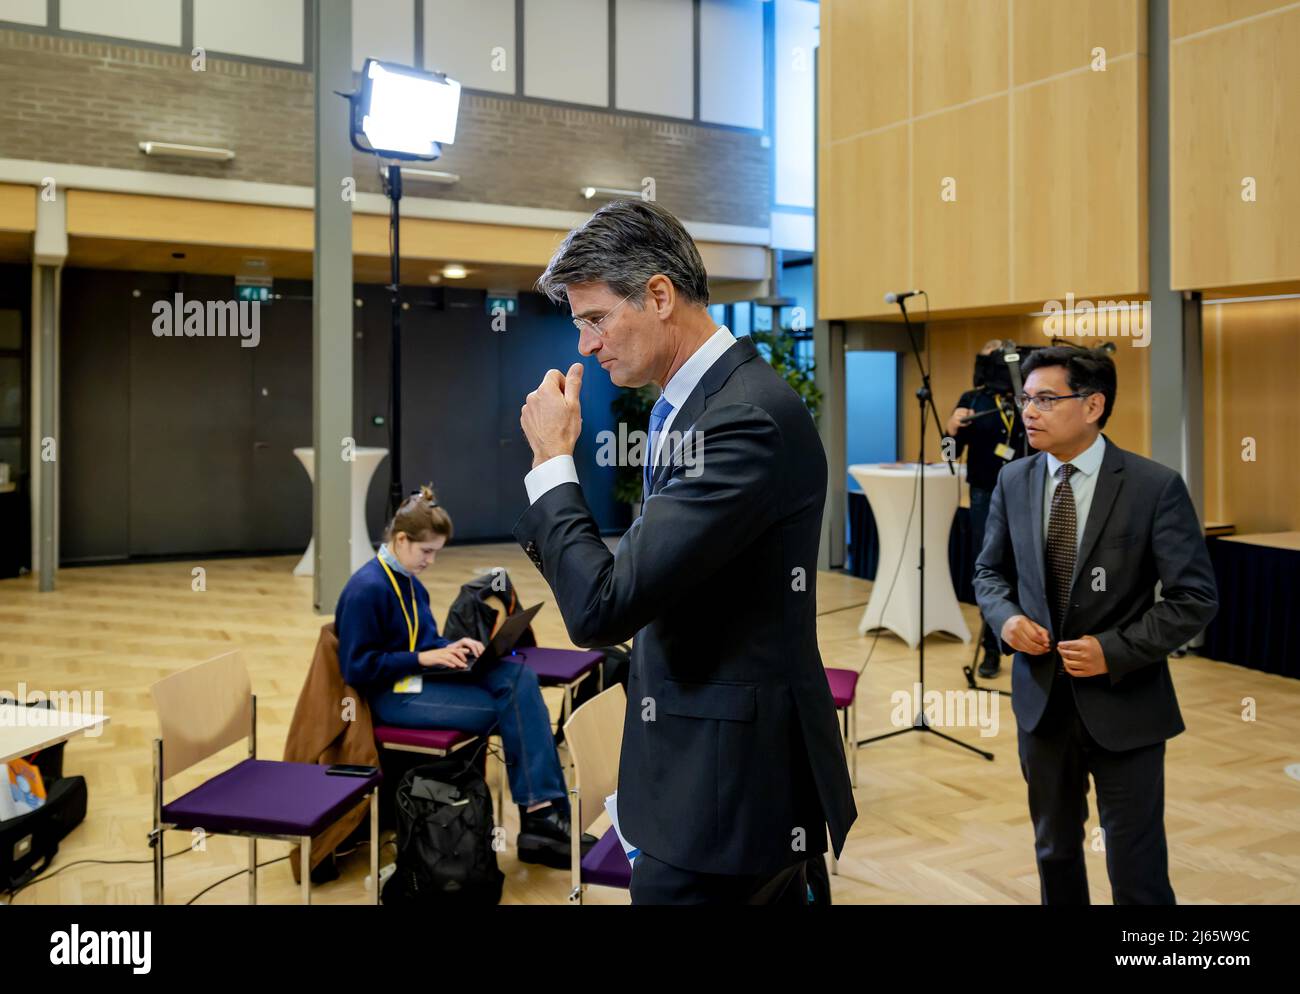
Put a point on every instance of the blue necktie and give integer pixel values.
(657, 418)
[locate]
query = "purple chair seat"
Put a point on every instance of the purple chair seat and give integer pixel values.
(554, 666)
(844, 685)
(268, 798)
(606, 864)
(443, 739)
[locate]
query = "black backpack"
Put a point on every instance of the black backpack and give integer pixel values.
(444, 838)
(29, 843)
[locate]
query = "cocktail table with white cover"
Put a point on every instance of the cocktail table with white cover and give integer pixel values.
(364, 464)
(891, 489)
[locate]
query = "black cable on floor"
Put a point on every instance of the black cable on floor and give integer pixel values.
(103, 862)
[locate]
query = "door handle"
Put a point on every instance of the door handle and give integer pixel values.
(261, 445)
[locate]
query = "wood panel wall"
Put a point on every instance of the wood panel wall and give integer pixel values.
(999, 100)
(953, 345)
(1252, 367)
(1234, 108)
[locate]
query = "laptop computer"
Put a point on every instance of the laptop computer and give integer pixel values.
(511, 630)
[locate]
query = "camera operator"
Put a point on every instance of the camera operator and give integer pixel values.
(985, 423)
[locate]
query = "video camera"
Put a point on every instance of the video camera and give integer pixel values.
(999, 371)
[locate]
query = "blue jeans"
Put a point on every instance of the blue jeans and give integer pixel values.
(505, 699)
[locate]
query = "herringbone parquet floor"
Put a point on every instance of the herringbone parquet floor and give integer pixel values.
(936, 824)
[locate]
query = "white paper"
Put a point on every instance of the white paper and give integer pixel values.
(611, 807)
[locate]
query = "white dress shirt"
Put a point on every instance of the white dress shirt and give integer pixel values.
(1083, 482)
(561, 469)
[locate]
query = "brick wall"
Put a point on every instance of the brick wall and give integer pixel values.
(90, 103)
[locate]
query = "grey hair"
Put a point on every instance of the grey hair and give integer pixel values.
(623, 245)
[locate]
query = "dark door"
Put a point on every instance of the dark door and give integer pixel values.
(190, 428)
(450, 395)
(280, 514)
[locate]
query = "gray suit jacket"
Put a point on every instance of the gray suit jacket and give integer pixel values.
(731, 759)
(1141, 529)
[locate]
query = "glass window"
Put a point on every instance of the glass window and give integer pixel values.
(11, 392)
(11, 452)
(11, 330)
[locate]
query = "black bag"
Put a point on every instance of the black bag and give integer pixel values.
(472, 616)
(29, 843)
(444, 838)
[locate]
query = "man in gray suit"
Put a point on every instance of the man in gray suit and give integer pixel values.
(731, 766)
(1078, 536)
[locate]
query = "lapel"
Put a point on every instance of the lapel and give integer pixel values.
(1037, 481)
(710, 383)
(1110, 477)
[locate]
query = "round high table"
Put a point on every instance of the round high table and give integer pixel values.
(891, 488)
(364, 464)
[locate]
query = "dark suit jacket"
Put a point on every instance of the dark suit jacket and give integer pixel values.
(1141, 528)
(742, 765)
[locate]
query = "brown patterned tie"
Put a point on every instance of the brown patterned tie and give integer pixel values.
(1062, 548)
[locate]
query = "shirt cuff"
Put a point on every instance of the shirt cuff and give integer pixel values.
(549, 475)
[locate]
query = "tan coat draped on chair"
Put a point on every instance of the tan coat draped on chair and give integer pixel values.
(331, 724)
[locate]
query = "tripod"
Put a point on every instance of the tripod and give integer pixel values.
(925, 399)
(393, 187)
(969, 670)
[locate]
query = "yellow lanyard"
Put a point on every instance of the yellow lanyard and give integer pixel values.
(412, 630)
(1004, 415)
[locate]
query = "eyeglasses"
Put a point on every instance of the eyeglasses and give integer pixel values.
(1045, 401)
(595, 326)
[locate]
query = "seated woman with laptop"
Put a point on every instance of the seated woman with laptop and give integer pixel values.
(390, 650)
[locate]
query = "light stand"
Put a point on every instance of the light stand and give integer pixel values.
(925, 400)
(393, 187)
(401, 114)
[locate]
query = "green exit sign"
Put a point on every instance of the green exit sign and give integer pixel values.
(498, 306)
(260, 294)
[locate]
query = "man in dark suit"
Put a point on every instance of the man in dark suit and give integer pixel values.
(731, 765)
(1078, 536)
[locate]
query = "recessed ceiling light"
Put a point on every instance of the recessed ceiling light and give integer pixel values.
(454, 271)
(435, 277)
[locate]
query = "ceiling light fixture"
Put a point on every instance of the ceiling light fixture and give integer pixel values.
(205, 153)
(429, 176)
(608, 193)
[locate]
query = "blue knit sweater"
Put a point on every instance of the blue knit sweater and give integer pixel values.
(373, 639)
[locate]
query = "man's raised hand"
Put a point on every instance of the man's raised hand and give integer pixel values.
(552, 414)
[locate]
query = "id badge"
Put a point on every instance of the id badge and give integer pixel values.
(1004, 451)
(409, 685)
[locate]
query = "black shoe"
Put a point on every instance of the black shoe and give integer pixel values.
(544, 837)
(991, 666)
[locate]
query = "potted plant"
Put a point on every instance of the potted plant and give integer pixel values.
(779, 348)
(632, 406)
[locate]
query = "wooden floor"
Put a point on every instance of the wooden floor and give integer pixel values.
(936, 824)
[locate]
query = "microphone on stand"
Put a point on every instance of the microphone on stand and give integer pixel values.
(894, 298)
